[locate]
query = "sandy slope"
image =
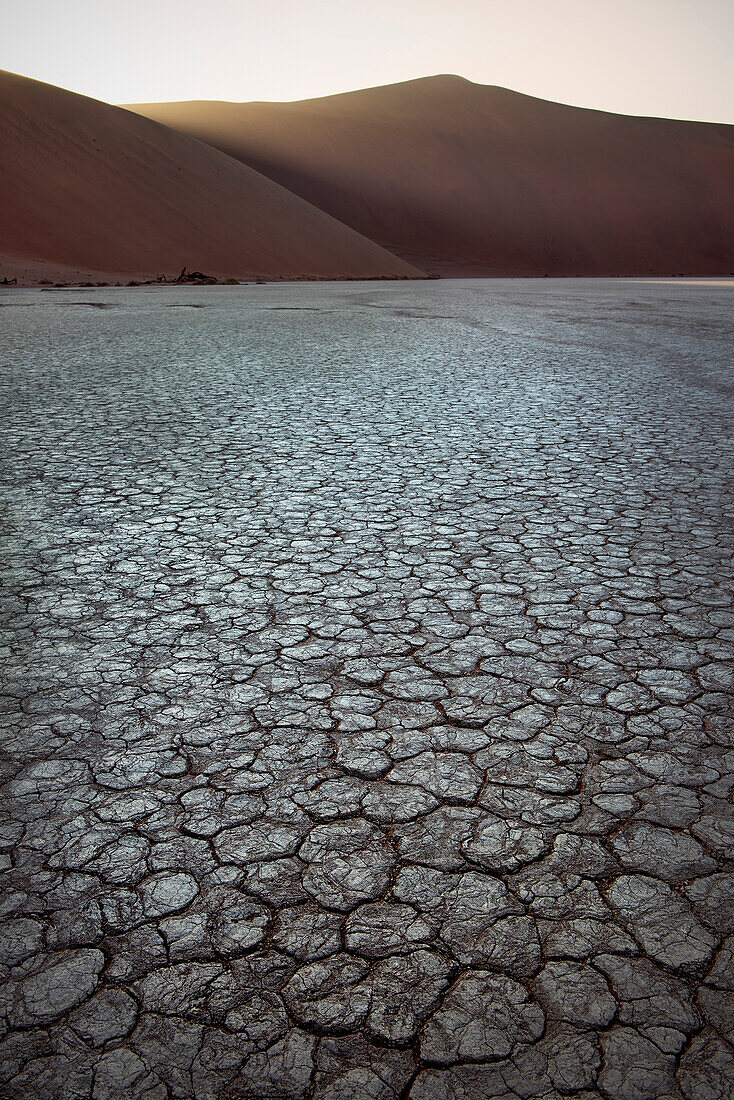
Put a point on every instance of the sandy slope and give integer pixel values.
(92, 188)
(459, 174)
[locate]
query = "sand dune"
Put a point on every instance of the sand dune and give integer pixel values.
(456, 175)
(92, 189)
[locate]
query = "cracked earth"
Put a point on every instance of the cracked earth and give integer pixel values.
(367, 694)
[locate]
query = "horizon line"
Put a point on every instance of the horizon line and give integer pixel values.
(416, 80)
(128, 104)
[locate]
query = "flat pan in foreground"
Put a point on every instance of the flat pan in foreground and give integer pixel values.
(368, 709)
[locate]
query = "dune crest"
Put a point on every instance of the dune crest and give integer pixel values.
(94, 189)
(460, 176)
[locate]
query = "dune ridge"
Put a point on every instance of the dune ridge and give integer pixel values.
(462, 177)
(92, 189)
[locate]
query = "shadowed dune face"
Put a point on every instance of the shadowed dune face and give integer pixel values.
(90, 187)
(458, 175)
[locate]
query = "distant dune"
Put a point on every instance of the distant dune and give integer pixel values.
(459, 177)
(90, 189)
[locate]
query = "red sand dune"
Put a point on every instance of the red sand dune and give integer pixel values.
(90, 188)
(457, 175)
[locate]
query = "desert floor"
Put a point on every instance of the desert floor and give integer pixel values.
(367, 707)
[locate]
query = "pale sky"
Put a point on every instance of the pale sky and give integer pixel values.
(673, 58)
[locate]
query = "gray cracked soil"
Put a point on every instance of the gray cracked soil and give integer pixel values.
(367, 694)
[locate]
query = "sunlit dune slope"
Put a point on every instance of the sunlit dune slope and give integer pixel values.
(91, 187)
(460, 175)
